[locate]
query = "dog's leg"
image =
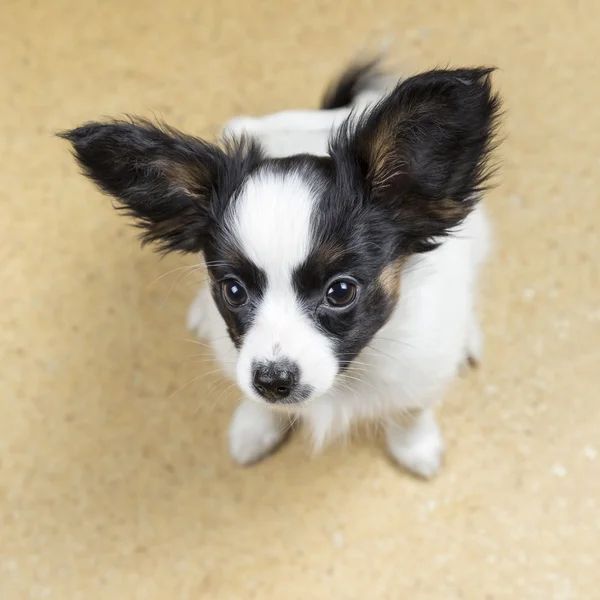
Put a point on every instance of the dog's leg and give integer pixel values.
(482, 242)
(415, 442)
(255, 432)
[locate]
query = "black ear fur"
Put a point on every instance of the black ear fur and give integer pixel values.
(171, 183)
(423, 150)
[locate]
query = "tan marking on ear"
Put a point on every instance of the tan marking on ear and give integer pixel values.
(162, 228)
(381, 158)
(389, 278)
(451, 211)
(386, 160)
(187, 178)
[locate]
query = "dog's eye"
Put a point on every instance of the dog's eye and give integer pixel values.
(341, 293)
(234, 293)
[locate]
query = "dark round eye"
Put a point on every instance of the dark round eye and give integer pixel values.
(234, 293)
(341, 293)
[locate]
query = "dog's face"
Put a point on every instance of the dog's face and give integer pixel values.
(304, 273)
(305, 253)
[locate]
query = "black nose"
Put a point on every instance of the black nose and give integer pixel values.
(275, 381)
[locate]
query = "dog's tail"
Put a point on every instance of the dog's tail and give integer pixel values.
(356, 79)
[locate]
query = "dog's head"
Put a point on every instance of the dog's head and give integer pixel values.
(305, 253)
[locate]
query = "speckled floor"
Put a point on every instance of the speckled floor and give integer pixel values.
(114, 476)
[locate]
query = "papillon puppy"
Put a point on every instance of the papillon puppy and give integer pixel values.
(343, 247)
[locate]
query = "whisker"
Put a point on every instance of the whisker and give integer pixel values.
(222, 395)
(191, 273)
(216, 384)
(362, 381)
(395, 358)
(396, 341)
(221, 380)
(358, 362)
(202, 354)
(197, 268)
(201, 376)
(199, 343)
(196, 342)
(291, 423)
(345, 385)
(169, 272)
(206, 359)
(212, 263)
(198, 360)
(196, 283)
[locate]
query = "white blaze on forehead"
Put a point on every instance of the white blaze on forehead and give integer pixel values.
(272, 221)
(272, 225)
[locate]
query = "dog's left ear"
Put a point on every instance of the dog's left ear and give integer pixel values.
(422, 151)
(169, 182)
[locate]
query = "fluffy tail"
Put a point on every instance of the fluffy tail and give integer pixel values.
(356, 79)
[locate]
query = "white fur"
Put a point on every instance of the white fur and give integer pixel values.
(281, 133)
(272, 224)
(271, 221)
(415, 441)
(409, 364)
(255, 431)
(416, 355)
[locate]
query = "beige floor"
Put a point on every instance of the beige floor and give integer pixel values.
(115, 483)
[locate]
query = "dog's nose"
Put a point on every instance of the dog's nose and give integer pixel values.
(275, 381)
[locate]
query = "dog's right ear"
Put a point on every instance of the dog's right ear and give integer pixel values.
(168, 181)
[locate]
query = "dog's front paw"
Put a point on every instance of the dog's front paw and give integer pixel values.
(254, 433)
(423, 457)
(417, 445)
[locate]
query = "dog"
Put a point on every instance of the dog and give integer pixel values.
(343, 247)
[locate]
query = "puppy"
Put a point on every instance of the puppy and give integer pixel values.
(343, 247)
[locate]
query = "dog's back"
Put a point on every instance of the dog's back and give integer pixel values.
(292, 132)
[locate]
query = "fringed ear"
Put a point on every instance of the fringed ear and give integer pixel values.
(423, 150)
(164, 179)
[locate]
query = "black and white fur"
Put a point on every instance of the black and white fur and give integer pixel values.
(343, 247)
